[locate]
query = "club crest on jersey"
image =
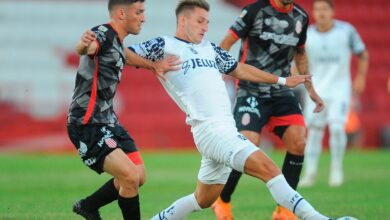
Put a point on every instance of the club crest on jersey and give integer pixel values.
(198, 63)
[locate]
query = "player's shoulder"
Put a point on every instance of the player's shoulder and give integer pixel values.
(339, 24)
(257, 5)
(104, 31)
(298, 9)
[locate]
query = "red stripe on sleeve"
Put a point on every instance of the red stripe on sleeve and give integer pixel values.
(233, 34)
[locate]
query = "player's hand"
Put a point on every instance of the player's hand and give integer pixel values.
(88, 37)
(318, 101)
(295, 80)
(169, 63)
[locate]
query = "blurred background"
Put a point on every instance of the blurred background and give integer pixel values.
(38, 67)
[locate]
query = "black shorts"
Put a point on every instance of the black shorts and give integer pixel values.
(253, 113)
(95, 141)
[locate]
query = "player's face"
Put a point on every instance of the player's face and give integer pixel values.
(287, 2)
(196, 24)
(322, 12)
(134, 17)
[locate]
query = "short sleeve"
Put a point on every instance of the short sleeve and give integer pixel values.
(225, 62)
(303, 36)
(244, 22)
(102, 38)
(152, 49)
(356, 44)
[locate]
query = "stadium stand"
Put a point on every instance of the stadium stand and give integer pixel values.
(37, 70)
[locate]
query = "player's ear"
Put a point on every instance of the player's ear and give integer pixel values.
(121, 13)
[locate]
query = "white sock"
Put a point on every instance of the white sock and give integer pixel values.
(338, 143)
(179, 209)
(285, 196)
(313, 150)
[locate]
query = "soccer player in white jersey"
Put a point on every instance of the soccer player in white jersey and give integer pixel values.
(199, 91)
(330, 44)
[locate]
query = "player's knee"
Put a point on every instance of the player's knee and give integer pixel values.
(129, 182)
(298, 146)
(142, 178)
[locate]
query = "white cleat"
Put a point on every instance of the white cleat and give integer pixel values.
(336, 178)
(345, 218)
(307, 181)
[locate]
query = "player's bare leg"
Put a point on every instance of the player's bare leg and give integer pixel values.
(222, 207)
(125, 173)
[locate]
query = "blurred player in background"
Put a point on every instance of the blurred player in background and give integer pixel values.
(198, 89)
(329, 47)
(93, 127)
(273, 34)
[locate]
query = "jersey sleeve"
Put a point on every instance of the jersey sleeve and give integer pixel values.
(103, 40)
(303, 36)
(225, 62)
(244, 22)
(152, 49)
(356, 44)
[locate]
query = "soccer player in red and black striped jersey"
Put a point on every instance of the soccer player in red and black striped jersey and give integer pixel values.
(273, 34)
(93, 127)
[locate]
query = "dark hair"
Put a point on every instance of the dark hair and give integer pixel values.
(330, 2)
(112, 3)
(184, 5)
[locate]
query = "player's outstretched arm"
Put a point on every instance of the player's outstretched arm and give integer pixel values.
(228, 42)
(87, 44)
(250, 73)
(170, 63)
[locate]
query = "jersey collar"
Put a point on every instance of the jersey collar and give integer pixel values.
(282, 10)
(183, 40)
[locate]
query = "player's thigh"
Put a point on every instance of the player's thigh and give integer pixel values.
(294, 139)
(253, 136)
(338, 111)
(317, 120)
(259, 165)
(118, 164)
(206, 194)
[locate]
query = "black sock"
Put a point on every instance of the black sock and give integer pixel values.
(230, 186)
(292, 168)
(103, 196)
(130, 208)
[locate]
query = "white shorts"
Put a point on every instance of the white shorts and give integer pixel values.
(222, 147)
(335, 111)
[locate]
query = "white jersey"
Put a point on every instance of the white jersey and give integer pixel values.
(329, 55)
(197, 88)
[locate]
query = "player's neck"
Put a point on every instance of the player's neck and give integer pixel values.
(120, 31)
(325, 27)
(279, 5)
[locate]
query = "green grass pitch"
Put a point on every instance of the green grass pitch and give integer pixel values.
(45, 187)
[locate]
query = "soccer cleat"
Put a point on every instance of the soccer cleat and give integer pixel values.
(308, 179)
(222, 210)
(336, 178)
(282, 213)
(344, 218)
(87, 214)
